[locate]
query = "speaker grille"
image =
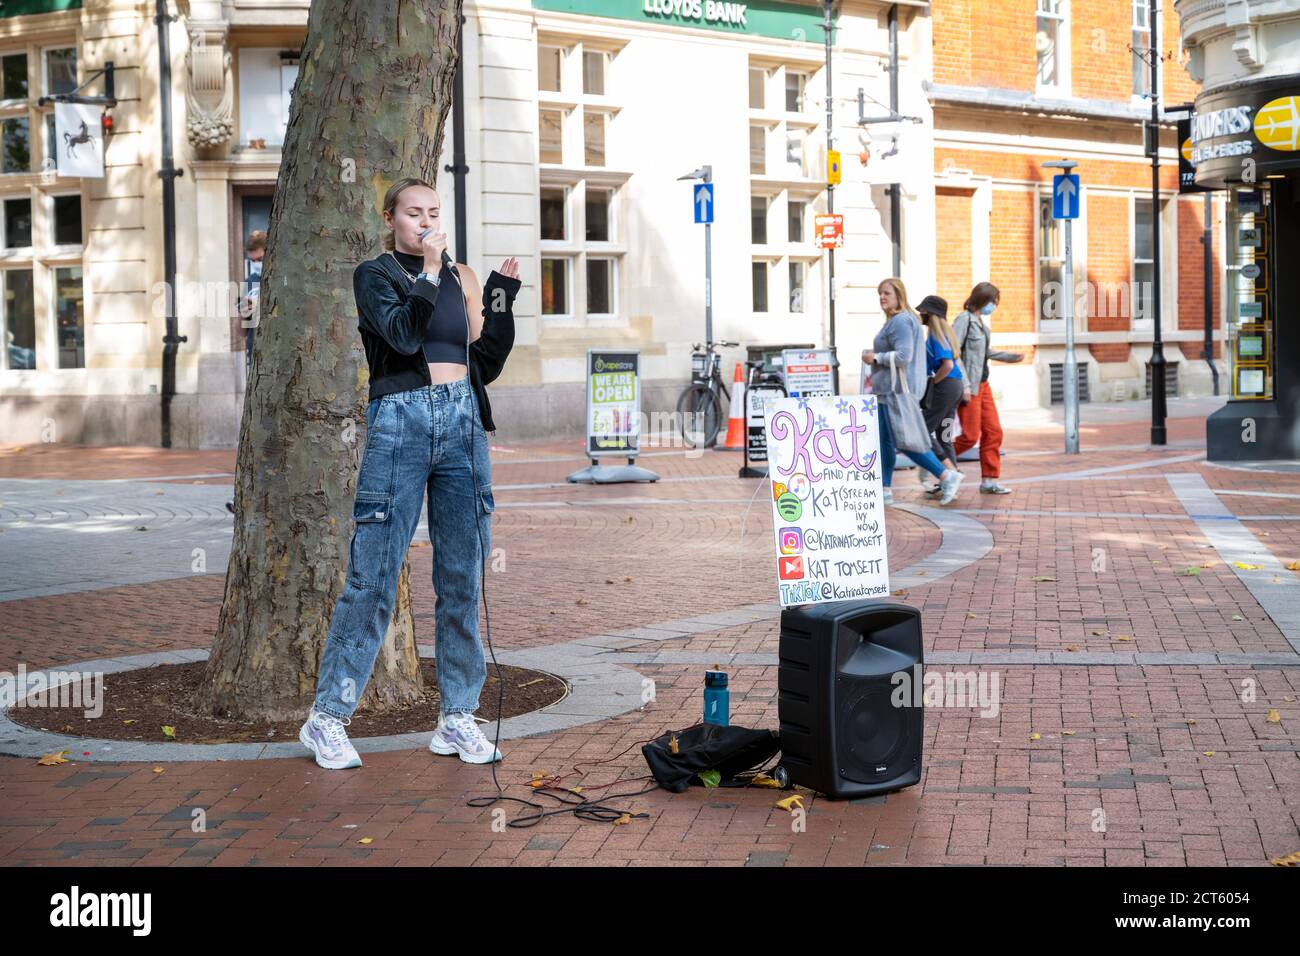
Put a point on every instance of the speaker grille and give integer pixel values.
(873, 734)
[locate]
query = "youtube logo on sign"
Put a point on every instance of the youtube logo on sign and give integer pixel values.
(790, 569)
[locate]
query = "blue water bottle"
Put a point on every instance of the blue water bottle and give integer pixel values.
(717, 700)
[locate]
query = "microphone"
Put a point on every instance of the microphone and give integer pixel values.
(446, 258)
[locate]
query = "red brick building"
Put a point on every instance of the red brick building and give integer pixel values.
(1020, 82)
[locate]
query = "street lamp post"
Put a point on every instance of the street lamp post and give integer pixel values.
(1158, 404)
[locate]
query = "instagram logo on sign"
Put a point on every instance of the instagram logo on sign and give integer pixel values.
(791, 540)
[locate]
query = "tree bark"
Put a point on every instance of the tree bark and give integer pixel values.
(368, 108)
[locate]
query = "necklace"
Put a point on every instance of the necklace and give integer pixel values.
(400, 266)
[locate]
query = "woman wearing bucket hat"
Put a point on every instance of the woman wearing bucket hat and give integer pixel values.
(946, 381)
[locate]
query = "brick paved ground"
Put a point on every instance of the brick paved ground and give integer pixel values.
(1183, 769)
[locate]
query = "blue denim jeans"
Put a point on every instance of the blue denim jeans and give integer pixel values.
(422, 444)
(889, 451)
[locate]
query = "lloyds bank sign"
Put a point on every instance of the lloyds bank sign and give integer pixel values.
(768, 18)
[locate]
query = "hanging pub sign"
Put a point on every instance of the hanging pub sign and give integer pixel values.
(79, 140)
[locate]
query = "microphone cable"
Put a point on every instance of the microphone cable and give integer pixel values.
(478, 527)
(596, 811)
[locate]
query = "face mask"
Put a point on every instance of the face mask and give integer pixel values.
(988, 309)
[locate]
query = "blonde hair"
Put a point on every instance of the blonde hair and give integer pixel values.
(940, 324)
(390, 204)
(900, 293)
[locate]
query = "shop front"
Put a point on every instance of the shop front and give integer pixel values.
(1246, 141)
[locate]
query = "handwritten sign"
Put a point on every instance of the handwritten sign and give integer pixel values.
(828, 509)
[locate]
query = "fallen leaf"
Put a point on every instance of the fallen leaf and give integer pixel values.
(1035, 736)
(791, 803)
(1067, 733)
(1044, 577)
(169, 732)
(1238, 617)
(1190, 723)
(763, 780)
(366, 841)
(1209, 564)
(1190, 572)
(1122, 637)
(900, 593)
(581, 602)
(1097, 633)
(1274, 717)
(539, 778)
(1072, 648)
(1291, 859)
(53, 760)
(1293, 566)
(575, 790)
(672, 745)
(710, 778)
(1246, 567)
(535, 680)
(626, 818)
(158, 770)
(1289, 700)
(627, 580)
(1134, 716)
(969, 614)
(1208, 753)
(128, 721)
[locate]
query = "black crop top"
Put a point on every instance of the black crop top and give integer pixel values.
(448, 329)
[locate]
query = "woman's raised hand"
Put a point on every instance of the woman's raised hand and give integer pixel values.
(510, 268)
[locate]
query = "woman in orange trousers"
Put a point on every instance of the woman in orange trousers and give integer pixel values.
(977, 412)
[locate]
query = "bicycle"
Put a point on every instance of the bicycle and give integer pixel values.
(699, 409)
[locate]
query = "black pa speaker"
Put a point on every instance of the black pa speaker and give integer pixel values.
(841, 733)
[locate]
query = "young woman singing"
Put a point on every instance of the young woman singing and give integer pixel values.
(434, 339)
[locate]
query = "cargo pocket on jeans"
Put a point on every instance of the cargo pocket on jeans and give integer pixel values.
(372, 515)
(486, 505)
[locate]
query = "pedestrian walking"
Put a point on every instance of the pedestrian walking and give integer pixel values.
(897, 360)
(978, 412)
(946, 382)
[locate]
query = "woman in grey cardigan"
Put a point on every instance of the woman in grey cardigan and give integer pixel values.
(903, 339)
(978, 412)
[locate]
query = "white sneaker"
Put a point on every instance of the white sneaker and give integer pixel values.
(889, 497)
(459, 734)
(327, 738)
(948, 486)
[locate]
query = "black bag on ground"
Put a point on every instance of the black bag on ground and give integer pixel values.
(728, 750)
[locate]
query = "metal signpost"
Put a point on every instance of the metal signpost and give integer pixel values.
(1065, 205)
(702, 204)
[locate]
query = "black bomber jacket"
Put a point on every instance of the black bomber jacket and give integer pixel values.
(393, 316)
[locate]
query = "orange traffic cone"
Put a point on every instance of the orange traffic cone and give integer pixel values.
(736, 415)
